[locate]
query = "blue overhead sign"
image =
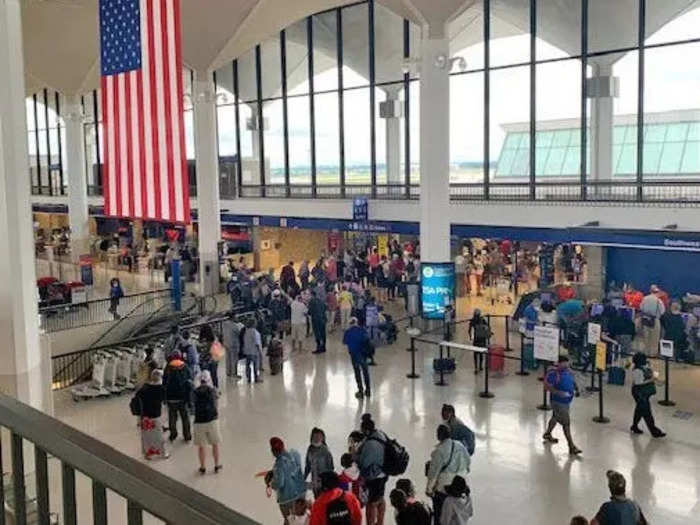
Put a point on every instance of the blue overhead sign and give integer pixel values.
(437, 288)
(360, 209)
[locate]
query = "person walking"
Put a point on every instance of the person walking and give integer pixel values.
(317, 312)
(355, 338)
(561, 383)
(206, 423)
(318, 459)
(178, 393)
(116, 292)
(620, 510)
(371, 462)
(150, 399)
(449, 459)
(286, 477)
(335, 506)
(457, 507)
(479, 333)
(643, 388)
(458, 430)
(299, 312)
(252, 350)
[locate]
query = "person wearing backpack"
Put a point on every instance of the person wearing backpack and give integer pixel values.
(448, 460)
(458, 430)
(335, 506)
(370, 459)
(479, 333)
(286, 477)
(643, 388)
(178, 392)
(408, 510)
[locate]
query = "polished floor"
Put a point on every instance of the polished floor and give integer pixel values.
(515, 478)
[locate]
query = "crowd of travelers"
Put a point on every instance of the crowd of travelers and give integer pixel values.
(315, 491)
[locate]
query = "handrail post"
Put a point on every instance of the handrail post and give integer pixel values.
(522, 371)
(592, 387)
(600, 418)
(666, 402)
(412, 349)
(508, 348)
(544, 406)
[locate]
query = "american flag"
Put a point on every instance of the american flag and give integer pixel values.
(145, 168)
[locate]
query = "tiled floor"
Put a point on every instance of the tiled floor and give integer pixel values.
(515, 478)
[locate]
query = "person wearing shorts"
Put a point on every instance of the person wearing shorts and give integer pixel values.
(206, 422)
(561, 383)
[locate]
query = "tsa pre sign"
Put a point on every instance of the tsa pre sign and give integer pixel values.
(546, 344)
(437, 288)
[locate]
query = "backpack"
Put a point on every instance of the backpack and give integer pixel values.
(338, 512)
(396, 457)
(136, 406)
(481, 331)
(469, 441)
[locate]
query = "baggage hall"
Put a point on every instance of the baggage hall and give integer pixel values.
(350, 262)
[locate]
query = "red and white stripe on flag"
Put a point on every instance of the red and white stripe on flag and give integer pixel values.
(145, 166)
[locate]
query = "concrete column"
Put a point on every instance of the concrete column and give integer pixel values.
(77, 182)
(434, 149)
(393, 142)
(20, 351)
(601, 130)
(207, 162)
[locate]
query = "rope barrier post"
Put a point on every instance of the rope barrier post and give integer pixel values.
(412, 349)
(522, 371)
(600, 418)
(442, 370)
(486, 394)
(666, 402)
(508, 348)
(592, 387)
(544, 406)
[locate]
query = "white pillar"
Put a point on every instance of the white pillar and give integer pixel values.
(20, 352)
(601, 129)
(434, 150)
(207, 162)
(77, 182)
(393, 141)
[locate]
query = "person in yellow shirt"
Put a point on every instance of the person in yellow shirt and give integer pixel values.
(345, 302)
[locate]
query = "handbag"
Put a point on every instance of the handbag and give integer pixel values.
(136, 406)
(217, 351)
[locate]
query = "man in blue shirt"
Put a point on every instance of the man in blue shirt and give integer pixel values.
(356, 340)
(561, 383)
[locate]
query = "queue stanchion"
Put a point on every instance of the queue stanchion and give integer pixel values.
(545, 405)
(508, 348)
(666, 402)
(522, 371)
(441, 365)
(486, 394)
(600, 418)
(412, 349)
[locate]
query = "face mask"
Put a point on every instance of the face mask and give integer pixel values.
(317, 443)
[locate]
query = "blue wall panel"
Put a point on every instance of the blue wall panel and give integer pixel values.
(676, 272)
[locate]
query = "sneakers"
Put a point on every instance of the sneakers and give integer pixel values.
(636, 430)
(217, 468)
(658, 434)
(368, 393)
(549, 439)
(574, 451)
(359, 395)
(202, 471)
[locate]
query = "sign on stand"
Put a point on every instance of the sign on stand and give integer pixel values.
(546, 344)
(437, 289)
(593, 333)
(666, 348)
(78, 295)
(601, 350)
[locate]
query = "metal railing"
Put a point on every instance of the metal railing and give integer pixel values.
(651, 191)
(144, 490)
(66, 316)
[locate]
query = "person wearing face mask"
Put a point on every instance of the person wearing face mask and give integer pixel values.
(318, 459)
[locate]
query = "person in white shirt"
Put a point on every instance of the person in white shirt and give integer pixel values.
(651, 308)
(299, 313)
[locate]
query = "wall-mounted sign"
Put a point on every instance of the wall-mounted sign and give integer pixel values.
(437, 288)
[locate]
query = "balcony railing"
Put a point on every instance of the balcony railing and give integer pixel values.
(26, 498)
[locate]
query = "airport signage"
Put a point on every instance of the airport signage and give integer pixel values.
(437, 288)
